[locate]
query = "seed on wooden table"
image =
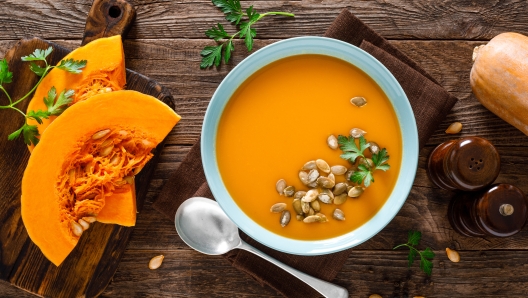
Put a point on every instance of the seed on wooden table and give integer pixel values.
(373, 147)
(84, 224)
(100, 134)
(340, 188)
(310, 165)
(454, 128)
(357, 132)
(340, 199)
(77, 229)
(322, 165)
(277, 208)
(312, 176)
(89, 219)
(338, 170)
(375, 296)
(453, 255)
(315, 205)
(155, 262)
(355, 191)
(332, 142)
(358, 101)
(299, 194)
(285, 218)
(331, 177)
(311, 219)
(325, 182)
(305, 207)
(289, 191)
(280, 186)
(338, 214)
(297, 206)
(310, 195)
(303, 176)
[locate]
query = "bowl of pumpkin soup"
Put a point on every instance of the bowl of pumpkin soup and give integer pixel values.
(310, 146)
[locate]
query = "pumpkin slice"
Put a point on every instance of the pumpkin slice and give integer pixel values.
(104, 72)
(120, 208)
(92, 151)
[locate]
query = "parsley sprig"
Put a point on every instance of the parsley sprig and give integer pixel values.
(212, 55)
(55, 106)
(351, 152)
(425, 255)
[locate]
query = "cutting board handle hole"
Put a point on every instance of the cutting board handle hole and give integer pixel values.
(114, 11)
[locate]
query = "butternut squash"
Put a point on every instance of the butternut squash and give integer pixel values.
(499, 78)
(89, 153)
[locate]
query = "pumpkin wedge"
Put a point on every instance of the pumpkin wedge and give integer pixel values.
(104, 72)
(92, 151)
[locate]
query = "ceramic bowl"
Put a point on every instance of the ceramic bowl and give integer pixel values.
(350, 54)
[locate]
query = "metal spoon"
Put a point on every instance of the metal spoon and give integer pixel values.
(203, 225)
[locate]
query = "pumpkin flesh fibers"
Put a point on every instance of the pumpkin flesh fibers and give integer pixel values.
(70, 173)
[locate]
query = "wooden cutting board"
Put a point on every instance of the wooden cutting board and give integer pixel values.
(91, 265)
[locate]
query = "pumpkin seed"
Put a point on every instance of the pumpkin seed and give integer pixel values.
(77, 229)
(100, 134)
(355, 192)
(303, 176)
(89, 167)
(313, 184)
(106, 151)
(310, 195)
(332, 142)
(322, 165)
(338, 214)
(311, 219)
(340, 188)
(72, 176)
(315, 205)
(326, 198)
(311, 211)
(107, 143)
(325, 182)
(331, 177)
(338, 170)
(305, 207)
(89, 219)
(299, 194)
(357, 132)
(279, 207)
(90, 196)
(366, 162)
(297, 206)
(289, 191)
(348, 174)
(155, 262)
(322, 217)
(147, 143)
(299, 217)
(349, 188)
(373, 147)
(84, 224)
(280, 186)
(453, 255)
(115, 159)
(108, 89)
(358, 101)
(129, 179)
(375, 296)
(340, 199)
(312, 176)
(285, 218)
(310, 165)
(454, 128)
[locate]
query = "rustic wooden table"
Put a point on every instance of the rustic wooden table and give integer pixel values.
(164, 44)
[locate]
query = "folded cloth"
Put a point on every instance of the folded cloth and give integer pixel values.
(430, 104)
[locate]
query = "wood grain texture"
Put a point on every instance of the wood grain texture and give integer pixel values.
(394, 19)
(108, 18)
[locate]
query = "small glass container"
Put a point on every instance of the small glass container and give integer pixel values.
(466, 164)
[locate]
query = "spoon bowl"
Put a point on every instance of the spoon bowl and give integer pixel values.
(203, 225)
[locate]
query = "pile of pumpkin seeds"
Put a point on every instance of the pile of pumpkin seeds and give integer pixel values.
(320, 179)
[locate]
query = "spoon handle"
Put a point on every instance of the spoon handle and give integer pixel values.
(325, 288)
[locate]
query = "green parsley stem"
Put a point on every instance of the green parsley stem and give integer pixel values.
(19, 111)
(34, 87)
(7, 94)
(279, 13)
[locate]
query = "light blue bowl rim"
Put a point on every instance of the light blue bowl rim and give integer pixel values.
(362, 60)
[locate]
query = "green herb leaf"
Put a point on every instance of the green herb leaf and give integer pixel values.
(411, 256)
(414, 237)
(38, 55)
(231, 8)
(39, 71)
(211, 55)
(38, 115)
(56, 108)
(350, 149)
(29, 132)
(217, 32)
(5, 75)
(228, 49)
(380, 160)
(73, 66)
(425, 256)
(15, 134)
(426, 266)
(248, 34)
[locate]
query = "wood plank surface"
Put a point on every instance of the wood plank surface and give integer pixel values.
(164, 44)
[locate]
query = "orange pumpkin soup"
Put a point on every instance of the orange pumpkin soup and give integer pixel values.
(281, 117)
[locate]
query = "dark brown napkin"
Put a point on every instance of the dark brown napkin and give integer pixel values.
(430, 103)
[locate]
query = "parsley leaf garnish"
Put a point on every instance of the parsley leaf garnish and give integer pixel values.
(212, 55)
(351, 152)
(56, 105)
(425, 256)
